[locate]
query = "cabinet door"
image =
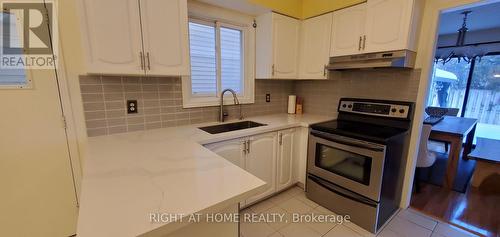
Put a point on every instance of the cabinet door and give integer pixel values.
(387, 25)
(165, 35)
(285, 47)
(285, 158)
(231, 150)
(315, 47)
(347, 30)
(261, 162)
(112, 38)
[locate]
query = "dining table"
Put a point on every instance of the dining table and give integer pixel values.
(453, 130)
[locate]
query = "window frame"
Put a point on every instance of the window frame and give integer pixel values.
(246, 96)
(28, 80)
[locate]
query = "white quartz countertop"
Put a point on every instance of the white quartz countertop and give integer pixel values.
(129, 176)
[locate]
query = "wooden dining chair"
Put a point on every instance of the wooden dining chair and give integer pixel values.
(438, 112)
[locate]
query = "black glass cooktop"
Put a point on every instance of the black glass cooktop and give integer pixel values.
(363, 131)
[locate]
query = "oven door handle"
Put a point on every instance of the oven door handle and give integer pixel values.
(344, 193)
(329, 137)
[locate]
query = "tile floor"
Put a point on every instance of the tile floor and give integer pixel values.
(407, 223)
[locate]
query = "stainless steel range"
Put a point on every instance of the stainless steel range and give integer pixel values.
(356, 163)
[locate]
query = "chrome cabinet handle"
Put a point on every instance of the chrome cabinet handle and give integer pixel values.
(364, 41)
(324, 71)
(272, 70)
(248, 146)
(149, 62)
(141, 57)
(359, 43)
(244, 147)
(280, 139)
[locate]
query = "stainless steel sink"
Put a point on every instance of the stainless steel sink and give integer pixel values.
(228, 127)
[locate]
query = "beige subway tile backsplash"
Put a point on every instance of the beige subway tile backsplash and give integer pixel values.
(160, 99)
(160, 103)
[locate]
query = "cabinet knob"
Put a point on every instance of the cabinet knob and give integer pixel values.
(359, 43)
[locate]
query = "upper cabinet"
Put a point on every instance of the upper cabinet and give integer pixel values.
(347, 30)
(375, 26)
(277, 45)
(388, 25)
(315, 46)
(165, 36)
(138, 37)
(112, 39)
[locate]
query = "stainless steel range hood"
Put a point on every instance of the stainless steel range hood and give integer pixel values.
(390, 59)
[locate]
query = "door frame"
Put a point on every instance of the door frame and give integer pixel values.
(425, 62)
(72, 108)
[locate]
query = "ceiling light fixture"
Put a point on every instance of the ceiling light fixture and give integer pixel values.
(461, 51)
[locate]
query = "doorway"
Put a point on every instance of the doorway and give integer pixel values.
(38, 191)
(465, 85)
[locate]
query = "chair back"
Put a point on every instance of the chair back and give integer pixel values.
(452, 112)
(439, 112)
(424, 159)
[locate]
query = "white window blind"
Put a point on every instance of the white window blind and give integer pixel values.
(203, 59)
(10, 77)
(231, 59)
(207, 77)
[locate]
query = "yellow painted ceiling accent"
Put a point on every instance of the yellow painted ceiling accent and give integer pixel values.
(305, 8)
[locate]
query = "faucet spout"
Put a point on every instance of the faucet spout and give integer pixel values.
(236, 102)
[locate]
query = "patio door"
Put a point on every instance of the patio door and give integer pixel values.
(473, 88)
(483, 99)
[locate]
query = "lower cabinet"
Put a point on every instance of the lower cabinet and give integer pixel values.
(231, 150)
(285, 159)
(269, 156)
(261, 162)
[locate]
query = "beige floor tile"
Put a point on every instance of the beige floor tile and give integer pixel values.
(342, 231)
(276, 234)
(277, 225)
(294, 191)
(298, 230)
(451, 231)
(302, 197)
(258, 229)
(262, 206)
(323, 210)
(282, 197)
(406, 228)
(418, 219)
(388, 233)
(321, 227)
(359, 230)
(295, 206)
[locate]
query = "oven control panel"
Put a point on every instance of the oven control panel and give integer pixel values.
(375, 108)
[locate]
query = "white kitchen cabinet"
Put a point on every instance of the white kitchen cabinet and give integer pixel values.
(261, 162)
(286, 157)
(136, 37)
(231, 150)
(277, 46)
(388, 25)
(347, 31)
(165, 36)
(112, 39)
(375, 26)
(315, 38)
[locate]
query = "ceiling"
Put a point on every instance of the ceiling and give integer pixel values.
(485, 16)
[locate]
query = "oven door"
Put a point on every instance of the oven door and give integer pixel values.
(349, 163)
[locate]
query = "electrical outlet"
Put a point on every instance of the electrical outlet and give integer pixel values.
(268, 98)
(132, 106)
